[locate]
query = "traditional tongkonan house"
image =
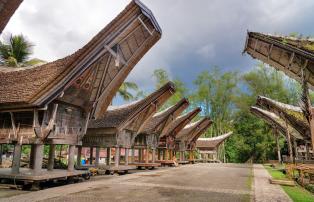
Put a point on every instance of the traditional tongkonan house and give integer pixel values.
(189, 133)
(52, 103)
(149, 134)
(7, 9)
(293, 56)
(167, 138)
(208, 147)
(279, 125)
(292, 116)
(119, 126)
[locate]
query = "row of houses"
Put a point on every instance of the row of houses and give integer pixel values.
(68, 102)
(295, 57)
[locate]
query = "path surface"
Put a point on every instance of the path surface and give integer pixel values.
(263, 190)
(200, 182)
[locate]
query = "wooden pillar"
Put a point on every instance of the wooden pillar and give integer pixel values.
(51, 157)
(295, 148)
(153, 155)
(97, 158)
(288, 137)
(79, 155)
(38, 157)
(117, 156)
(278, 147)
(16, 159)
(71, 158)
(140, 155)
(91, 151)
(181, 155)
(126, 156)
(31, 157)
(166, 154)
(108, 160)
(158, 154)
(1, 153)
(147, 155)
(170, 154)
(132, 155)
(307, 151)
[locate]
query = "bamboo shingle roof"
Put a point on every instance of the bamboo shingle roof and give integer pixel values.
(275, 121)
(191, 130)
(211, 143)
(179, 123)
(162, 119)
(292, 114)
(7, 9)
(134, 115)
(288, 54)
(131, 34)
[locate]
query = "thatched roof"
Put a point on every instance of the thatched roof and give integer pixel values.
(134, 115)
(211, 143)
(194, 129)
(178, 124)
(292, 114)
(161, 120)
(130, 35)
(275, 121)
(7, 9)
(287, 54)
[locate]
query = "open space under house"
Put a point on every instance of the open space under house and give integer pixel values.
(64, 109)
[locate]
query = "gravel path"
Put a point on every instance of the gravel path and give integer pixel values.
(199, 182)
(263, 190)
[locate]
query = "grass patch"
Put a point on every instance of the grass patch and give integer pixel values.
(249, 182)
(297, 193)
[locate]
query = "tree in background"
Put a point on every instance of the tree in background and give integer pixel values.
(15, 51)
(162, 77)
(215, 93)
(125, 90)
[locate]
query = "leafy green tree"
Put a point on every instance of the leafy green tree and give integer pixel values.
(125, 90)
(15, 50)
(214, 94)
(161, 77)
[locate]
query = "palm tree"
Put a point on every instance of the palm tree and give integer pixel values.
(124, 90)
(16, 50)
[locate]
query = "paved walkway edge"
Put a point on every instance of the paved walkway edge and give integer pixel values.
(263, 190)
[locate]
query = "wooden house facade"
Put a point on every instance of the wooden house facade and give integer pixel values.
(291, 55)
(53, 103)
(148, 137)
(167, 138)
(187, 136)
(209, 146)
(119, 126)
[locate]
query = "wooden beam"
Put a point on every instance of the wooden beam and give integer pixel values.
(116, 55)
(13, 124)
(145, 26)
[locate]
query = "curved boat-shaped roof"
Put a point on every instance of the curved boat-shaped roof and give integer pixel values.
(287, 54)
(134, 115)
(97, 69)
(178, 124)
(211, 143)
(275, 121)
(7, 9)
(292, 114)
(162, 119)
(194, 129)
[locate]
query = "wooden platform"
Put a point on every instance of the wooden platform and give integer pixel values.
(111, 169)
(166, 162)
(183, 162)
(146, 165)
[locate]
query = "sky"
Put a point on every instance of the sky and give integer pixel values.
(197, 35)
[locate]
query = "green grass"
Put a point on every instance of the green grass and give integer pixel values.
(249, 182)
(297, 193)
